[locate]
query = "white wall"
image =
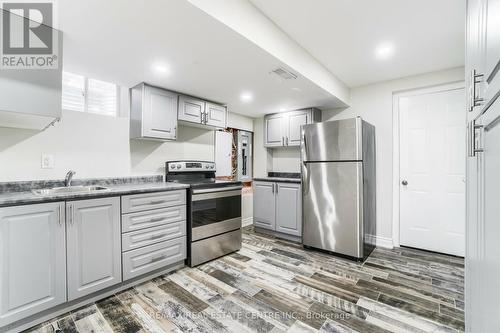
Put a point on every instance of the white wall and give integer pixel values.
(96, 146)
(374, 104)
(239, 121)
(285, 159)
(262, 158)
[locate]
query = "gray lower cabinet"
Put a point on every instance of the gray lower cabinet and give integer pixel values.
(147, 259)
(264, 205)
(289, 209)
(94, 245)
(278, 207)
(153, 231)
(32, 260)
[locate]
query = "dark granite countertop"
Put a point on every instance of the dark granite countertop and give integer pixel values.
(278, 179)
(10, 198)
(281, 177)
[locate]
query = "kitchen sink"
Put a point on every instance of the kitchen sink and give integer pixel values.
(70, 190)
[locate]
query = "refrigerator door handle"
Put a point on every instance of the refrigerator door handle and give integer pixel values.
(305, 144)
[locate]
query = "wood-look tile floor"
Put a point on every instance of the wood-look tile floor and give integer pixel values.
(271, 285)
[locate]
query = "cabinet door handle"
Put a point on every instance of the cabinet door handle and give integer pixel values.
(475, 79)
(70, 214)
(158, 258)
(287, 141)
(156, 202)
(272, 187)
(61, 213)
(277, 188)
(156, 219)
(473, 128)
(157, 236)
(282, 140)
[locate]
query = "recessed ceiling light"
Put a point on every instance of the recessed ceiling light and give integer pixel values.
(282, 109)
(384, 50)
(246, 97)
(161, 69)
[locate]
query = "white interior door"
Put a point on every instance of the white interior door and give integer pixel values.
(432, 171)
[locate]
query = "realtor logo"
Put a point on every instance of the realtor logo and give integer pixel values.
(28, 38)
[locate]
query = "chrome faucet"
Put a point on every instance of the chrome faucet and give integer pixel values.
(69, 178)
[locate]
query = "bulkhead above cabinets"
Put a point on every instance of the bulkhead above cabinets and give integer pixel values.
(155, 113)
(283, 129)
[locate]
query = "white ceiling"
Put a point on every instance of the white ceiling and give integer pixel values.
(342, 34)
(119, 41)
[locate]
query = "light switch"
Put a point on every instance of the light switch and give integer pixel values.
(47, 161)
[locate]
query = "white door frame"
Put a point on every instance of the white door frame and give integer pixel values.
(395, 144)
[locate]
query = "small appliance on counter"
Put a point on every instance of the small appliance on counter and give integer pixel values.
(338, 186)
(214, 210)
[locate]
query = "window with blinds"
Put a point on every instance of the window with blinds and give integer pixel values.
(83, 94)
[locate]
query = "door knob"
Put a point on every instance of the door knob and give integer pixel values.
(404, 182)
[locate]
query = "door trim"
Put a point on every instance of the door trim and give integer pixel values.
(456, 85)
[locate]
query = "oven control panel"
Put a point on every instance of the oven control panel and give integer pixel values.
(190, 166)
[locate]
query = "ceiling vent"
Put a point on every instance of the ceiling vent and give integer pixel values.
(284, 74)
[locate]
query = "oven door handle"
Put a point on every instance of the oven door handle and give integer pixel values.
(215, 195)
(213, 190)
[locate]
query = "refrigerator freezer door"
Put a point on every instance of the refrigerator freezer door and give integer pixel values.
(332, 206)
(338, 140)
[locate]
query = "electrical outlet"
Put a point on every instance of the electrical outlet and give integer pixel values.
(47, 161)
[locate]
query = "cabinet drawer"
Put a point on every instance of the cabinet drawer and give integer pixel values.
(145, 237)
(152, 218)
(150, 258)
(141, 202)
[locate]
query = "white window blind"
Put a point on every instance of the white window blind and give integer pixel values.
(73, 92)
(89, 95)
(101, 97)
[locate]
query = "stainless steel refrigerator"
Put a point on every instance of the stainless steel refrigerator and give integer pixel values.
(338, 187)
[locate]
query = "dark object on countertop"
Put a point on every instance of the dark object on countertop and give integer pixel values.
(284, 174)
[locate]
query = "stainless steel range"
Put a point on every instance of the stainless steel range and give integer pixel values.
(214, 210)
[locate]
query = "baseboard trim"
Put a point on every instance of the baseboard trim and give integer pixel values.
(379, 241)
(247, 221)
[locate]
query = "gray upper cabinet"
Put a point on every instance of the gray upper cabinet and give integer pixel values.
(32, 259)
(274, 134)
(153, 113)
(94, 245)
(216, 115)
(295, 121)
(278, 207)
(197, 112)
(191, 110)
(289, 209)
(283, 129)
(264, 207)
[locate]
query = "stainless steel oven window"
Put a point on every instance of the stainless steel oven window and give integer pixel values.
(214, 207)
